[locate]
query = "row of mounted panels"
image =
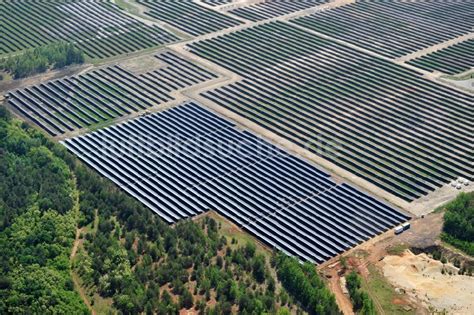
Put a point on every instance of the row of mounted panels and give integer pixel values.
(188, 160)
(404, 133)
(104, 94)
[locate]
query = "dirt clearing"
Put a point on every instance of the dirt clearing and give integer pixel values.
(368, 260)
(430, 281)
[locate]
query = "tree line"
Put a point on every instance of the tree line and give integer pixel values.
(55, 55)
(304, 284)
(458, 228)
(37, 224)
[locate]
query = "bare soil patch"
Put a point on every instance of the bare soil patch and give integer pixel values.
(423, 278)
(368, 260)
(467, 84)
(437, 198)
(142, 64)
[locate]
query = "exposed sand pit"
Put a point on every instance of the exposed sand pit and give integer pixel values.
(422, 277)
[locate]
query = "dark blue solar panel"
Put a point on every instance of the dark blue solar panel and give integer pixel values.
(187, 160)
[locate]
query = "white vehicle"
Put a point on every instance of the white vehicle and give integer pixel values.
(398, 229)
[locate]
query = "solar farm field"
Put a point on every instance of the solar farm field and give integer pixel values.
(189, 16)
(187, 160)
(379, 120)
(99, 28)
(79, 101)
(394, 28)
(452, 60)
(273, 8)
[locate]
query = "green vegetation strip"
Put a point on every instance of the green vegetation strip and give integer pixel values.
(361, 301)
(458, 229)
(383, 292)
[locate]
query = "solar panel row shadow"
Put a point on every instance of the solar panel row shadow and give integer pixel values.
(394, 28)
(372, 117)
(187, 160)
(84, 100)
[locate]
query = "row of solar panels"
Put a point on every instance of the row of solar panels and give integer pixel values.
(270, 9)
(189, 16)
(399, 131)
(394, 28)
(187, 160)
(99, 28)
(452, 60)
(107, 93)
(326, 225)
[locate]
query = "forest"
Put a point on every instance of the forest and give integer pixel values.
(37, 224)
(458, 229)
(127, 255)
(56, 56)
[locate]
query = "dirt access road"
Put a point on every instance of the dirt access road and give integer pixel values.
(228, 77)
(74, 276)
(367, 259)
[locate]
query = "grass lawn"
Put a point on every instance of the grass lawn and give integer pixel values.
(127, 6)
(398, 249)
(101, 124)
(5, 77)
(379, 288)
(103, 306)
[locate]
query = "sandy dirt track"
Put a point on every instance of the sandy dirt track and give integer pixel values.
(454, 293)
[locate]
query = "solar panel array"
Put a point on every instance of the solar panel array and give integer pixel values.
(325, 225)
(99, 28)
(379, 120)
(79, 101)
(187, 160)
(188, 16)
(394, 28)
(216, 2)
(272, 8)
(451, 60)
